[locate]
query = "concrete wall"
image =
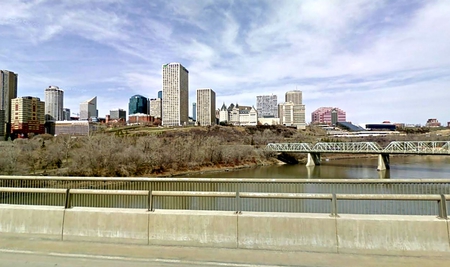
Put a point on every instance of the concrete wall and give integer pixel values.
(106, 225)
(193, 228)
(40, 221)
(391, 234)
(291, 231)
(381, 234)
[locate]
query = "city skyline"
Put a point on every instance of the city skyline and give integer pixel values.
(377, 60)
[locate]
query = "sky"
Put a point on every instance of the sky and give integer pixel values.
(378, 60)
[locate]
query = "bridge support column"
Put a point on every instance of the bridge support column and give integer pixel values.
(383, 162)
(313, 159)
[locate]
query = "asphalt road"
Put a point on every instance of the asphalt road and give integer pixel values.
(25, 252)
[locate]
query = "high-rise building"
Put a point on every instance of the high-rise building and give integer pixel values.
(66, 114)
(117, 114)
(175, 101)
(138, 105)
(206, 107)
(328, 115)
(160, 94)
(156, 108)
(266, 105)
(291, 114)
(194, 111)
(88, 109)
(8, 91)
(294, 96)
(28, 116)
(54, 103)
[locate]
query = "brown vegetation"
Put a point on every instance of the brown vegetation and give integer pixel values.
(144, 154)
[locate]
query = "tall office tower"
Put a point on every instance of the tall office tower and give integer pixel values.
(291, 114)
(66, 114)
(138, 105)
(88, 109)
(175, 101)
(156, 108)
(160, 94)
(206, 107)
(294, 96)
(117, 114)
(266, 105)
(328, 115)
(28, 116)
(8, 91)
(194, 111)
(54, 103)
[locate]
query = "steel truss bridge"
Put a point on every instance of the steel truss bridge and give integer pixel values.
(396, 147)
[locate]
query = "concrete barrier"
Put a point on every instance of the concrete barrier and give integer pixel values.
(287, 231)
(32, 221)
(392, 234)
(106, 225)
(193, 228)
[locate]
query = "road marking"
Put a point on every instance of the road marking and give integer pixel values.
(100, 257)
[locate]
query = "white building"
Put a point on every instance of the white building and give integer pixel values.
(291, 114)
(54, 103)
(175, 101)
(266, 105)
(156, 107)
(206, 107)
(88, 109)
(223, 114)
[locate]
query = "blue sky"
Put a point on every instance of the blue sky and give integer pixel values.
(376, 59)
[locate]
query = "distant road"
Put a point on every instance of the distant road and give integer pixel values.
(20, 252)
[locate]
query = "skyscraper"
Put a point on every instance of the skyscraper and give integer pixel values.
(54, 103)
(28, 116)
(194, 111)
(266, 105)
(138, 105)
(88, 109)
(292, 112)
(8, 91)
(175, 100)
(294, 96)
(155, 107)
(160, 94)
(206, 107)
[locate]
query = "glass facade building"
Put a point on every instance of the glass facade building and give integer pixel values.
(138, 104)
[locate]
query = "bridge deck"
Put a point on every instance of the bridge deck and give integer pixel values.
(396, 147)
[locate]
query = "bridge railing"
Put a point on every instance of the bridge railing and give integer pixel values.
(400, 204)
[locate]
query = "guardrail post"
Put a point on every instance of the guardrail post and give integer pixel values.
(334, 206)
(150, 201)
(442, 208)
(238, 203)
(68, 203)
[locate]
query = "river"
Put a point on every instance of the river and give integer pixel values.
(402, 167)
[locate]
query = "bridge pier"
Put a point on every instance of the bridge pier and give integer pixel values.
(383, 162)
(313, 159)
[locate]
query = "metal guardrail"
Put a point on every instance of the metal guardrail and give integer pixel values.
(332, 204)
(337, 186)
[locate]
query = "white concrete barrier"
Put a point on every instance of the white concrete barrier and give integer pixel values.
(392, 234)
(287, 231)
(193, 228)
(32, 221)
(106, 225)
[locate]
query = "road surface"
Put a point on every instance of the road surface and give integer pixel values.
(26, 252)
